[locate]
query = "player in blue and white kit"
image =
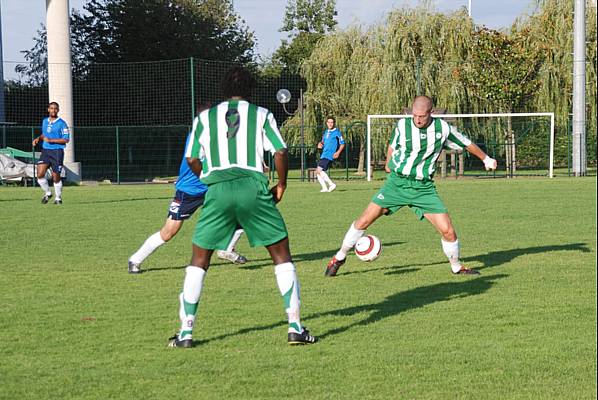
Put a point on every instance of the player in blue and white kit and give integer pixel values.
(189, 196)
(332, 144)
(55, 136)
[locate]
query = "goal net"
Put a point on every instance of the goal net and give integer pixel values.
(522, 143)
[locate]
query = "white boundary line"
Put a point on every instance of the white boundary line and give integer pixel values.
(541, 114)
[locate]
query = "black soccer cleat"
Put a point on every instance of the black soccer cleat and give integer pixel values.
(333, 266)
(298, 339)
(467, 271)
(176, 342)
(134, 268)
(46, 198)
(58, 201)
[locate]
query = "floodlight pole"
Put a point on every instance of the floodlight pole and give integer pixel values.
(301, 113)
(60, 85)
(2, 114)
(469, 9)
(579, 90)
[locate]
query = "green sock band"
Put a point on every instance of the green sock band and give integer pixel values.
(190, 308)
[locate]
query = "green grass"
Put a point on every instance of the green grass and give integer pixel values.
(74, 324)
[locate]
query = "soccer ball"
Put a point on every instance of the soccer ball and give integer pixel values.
(368, 248)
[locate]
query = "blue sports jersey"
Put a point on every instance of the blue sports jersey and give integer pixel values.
(188, 182)
(57, 129)
(332, 139)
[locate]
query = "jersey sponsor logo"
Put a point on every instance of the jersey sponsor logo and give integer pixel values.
(380, 196)
(423, 135)
(233, 120)
(438, 135)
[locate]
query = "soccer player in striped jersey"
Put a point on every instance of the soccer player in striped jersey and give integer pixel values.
(332, 145)
(227, 148)
(411, 161)
(189, 196)
(55, 136)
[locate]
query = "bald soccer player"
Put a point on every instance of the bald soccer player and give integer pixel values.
(411, 161)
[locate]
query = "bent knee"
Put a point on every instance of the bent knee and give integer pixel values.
(449, 234)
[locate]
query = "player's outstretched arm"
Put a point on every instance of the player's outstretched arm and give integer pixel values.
(281, 161)
(489, 162)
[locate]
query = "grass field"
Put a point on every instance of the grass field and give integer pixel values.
(74, 324)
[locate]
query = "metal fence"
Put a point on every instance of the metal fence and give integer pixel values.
(142, 153)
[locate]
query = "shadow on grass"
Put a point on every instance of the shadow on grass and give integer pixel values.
(496, 258)
(389, 307)
(4, 200)
(410, 300)
(125, 200)
(319, 255)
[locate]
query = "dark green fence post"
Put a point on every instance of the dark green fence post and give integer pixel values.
(569, 155)
(117, 132)
(192, 76)
(347, 162)
(33, 155)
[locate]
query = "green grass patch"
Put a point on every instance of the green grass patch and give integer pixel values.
(75, 325)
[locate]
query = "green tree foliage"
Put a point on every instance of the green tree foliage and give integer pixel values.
(502, 70)
(306, 22)
(133, 30)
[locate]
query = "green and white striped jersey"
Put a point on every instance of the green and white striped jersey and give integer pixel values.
(416, 150)
(231, 138)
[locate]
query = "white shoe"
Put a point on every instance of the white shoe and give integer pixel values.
(332, 187)
(324, 191)
(232, 256)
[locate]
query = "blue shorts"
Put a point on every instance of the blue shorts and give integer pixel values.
(184, 205)
(54, 157)
(324, 163)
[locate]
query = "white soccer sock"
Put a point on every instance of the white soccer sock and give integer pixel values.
(189, 298)
(351, 237)
(322, 182)
(327, 178)
(148, 247)
(43, 183)
(451, 249)
(234, 240)
(286, 278)
(58, 189)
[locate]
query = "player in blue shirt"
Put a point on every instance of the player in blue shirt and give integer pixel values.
(332, 144)
(189, 196)
(54, 137)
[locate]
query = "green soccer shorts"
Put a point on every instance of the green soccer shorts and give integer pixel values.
(244, 201)
(420, 196)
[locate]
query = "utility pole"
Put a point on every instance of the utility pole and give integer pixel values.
(2, 112)
(579, 90)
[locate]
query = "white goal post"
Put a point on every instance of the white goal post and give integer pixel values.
(372, 117)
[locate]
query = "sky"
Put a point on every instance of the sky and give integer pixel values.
(22, 18)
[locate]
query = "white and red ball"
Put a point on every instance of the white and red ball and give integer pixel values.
(368, 248)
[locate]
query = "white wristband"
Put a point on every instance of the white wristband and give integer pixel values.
(489, 162)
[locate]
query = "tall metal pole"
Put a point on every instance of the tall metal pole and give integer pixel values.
(60, 85)
(302, 136)
(2, 112)
(579, 90)
(469, 9)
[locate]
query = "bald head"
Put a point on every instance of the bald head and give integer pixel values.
(422, 111)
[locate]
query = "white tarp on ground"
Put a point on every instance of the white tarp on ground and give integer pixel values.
(12, 169)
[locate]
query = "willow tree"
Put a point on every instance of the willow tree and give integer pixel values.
(550, 29)
(378, 71)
